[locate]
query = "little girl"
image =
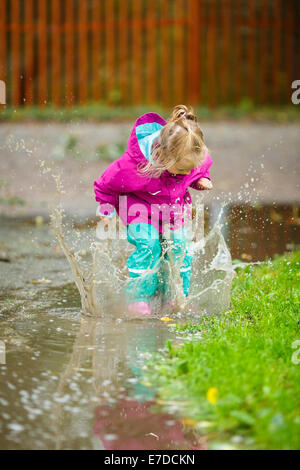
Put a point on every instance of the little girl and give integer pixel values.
(148, 188)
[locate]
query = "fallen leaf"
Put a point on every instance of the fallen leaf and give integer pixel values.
(167, 319)
(39, 220)
(189, 421)
(246, 256)
(40, 281)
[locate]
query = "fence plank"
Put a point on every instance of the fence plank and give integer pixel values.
(289, 34)
(3, 42)
(42, 52)
(166, 55)
(15, 53)
(251, 51)
(83, 53)
(151, 75)
(55, 53)
(29, 53)
(263, 52)
(110, 49)
(124, 52)
(96, 51)
(136, 52)
(69, 54)
(237, 39)
(193, 51)
(179, 53)
(276, 48)
(225, 49)
(211, 53)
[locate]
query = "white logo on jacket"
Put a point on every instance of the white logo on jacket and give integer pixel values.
(153, 194)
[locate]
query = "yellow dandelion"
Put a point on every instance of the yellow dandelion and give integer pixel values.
(147, 384)
(160, 402)
(189, 422)
(166, 319)
(212, 395)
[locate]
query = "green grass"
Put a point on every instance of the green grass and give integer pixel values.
(90, 112)
(246, 354)
(102, 112)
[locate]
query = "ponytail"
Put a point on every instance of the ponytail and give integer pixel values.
(183, 112)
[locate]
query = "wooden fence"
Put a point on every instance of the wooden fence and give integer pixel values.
(210, 52)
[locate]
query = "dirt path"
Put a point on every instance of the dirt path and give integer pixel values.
(256, 162)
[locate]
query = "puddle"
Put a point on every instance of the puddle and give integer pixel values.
(71, 382)
(255, 233)
(74, 382)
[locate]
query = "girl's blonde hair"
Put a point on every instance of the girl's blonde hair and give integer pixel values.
(179, 138)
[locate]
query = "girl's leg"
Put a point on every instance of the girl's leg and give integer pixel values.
(142, 284)
(181, 256)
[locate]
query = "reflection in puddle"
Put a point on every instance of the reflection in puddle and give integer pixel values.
(133, 425)
(105, 368)
(57, 386)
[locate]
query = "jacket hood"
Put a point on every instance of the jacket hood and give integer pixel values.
(143, 135)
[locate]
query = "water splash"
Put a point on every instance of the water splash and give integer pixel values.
(101, 274)
(212, 272)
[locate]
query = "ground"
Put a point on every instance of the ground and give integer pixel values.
(252, 162)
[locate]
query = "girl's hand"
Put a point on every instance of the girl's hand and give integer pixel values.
(204, 183)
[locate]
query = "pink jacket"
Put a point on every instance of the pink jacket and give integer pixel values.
(138, 198)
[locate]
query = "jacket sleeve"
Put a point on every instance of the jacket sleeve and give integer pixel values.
(203, 172)
(119, 178)
(106, 192)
